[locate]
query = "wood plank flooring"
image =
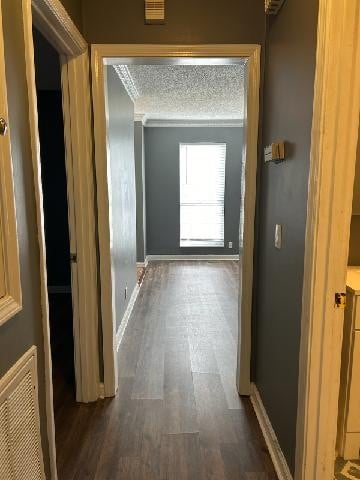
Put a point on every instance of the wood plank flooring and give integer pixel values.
(177, 415)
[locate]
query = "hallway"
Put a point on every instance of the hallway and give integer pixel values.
(177, 414)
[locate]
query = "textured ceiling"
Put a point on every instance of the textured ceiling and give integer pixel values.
(187, 92)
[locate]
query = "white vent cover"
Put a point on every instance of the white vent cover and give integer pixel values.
(273, 6)
(20, 441)
(154, 11)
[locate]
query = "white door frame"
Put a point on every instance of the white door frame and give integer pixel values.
(252, 53)
(50, 17)
(332, 169)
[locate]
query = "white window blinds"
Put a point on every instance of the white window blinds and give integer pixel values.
(202, 188)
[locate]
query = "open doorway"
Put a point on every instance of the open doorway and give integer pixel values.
(347, 464)
(118, 63)
(55, 205)
(188, 170)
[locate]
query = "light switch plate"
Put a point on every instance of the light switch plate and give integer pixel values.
(278, 236)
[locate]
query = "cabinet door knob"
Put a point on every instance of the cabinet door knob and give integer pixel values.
(3, 126)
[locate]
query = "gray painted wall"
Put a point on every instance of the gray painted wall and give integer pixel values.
(25, 329)
(163, 186)
(187, 21)
(140, 192)
(74, 9)
(122, 185)
(288, 99)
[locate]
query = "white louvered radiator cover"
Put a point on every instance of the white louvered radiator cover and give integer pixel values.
(20, 442)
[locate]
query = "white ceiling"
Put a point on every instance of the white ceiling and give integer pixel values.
(186, 92)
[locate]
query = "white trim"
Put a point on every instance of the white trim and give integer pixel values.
(101, 391)
(51, 18)
(247, 221)
(184, 54)
(231, 123)
(11, 297)
(140, 117)
(331, 178)
(121, 53)
(125, 76)
(143, 264)
(205, 258)
(35, 157)
(122, 327)
(276, 454)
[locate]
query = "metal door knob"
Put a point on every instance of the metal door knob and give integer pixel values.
(3, 126)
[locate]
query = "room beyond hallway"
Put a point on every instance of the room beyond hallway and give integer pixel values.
(177, 414)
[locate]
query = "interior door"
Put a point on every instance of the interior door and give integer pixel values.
(72, 225)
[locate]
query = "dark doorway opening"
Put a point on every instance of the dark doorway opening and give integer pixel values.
(55, 205)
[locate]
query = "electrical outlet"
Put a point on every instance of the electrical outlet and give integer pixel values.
(125, 293)
(230, 245)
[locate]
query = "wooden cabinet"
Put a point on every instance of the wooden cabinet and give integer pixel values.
(349, 400)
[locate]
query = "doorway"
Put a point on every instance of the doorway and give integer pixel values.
(347, 463)
(55, 205)
(102, 57)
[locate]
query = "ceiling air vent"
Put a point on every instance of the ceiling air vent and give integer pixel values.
(154, 11)
(273, 6)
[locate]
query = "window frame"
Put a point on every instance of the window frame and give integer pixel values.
(203, 245)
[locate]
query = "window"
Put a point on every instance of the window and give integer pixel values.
(202, 187)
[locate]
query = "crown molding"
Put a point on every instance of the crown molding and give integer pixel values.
(193, 123)
(127, 80)
(140, 117)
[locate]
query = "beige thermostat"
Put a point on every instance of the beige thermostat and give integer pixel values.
(275, 152)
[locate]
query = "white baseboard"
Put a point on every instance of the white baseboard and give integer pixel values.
(59, 289)
(277, 456)
(125, 319)
(101, 391)
(205, 258)
(143, 264)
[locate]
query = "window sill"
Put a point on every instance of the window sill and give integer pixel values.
(201, 244)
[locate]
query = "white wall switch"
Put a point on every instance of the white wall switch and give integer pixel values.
(230, 245)
(278, 236)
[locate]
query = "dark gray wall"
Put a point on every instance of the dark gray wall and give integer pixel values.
(187, 21)
(140, 192)
(163, 186)
(122, 184)
(25, 329)
(288, 98)
(74, 9)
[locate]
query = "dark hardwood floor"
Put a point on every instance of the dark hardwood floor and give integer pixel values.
(177, 415)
